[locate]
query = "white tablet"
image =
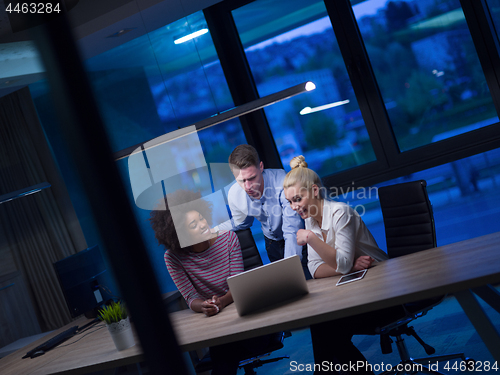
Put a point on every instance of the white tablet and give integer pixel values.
(351, 277)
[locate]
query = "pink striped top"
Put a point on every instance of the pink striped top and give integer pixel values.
(203, 275)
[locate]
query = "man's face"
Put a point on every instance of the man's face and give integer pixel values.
(251, 180)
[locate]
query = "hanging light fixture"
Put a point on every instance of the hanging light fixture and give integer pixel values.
(159, 166)
(232, 113)
(307, 110)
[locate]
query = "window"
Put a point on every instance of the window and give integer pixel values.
(151, 85)
(287, 43)
(463, 194)
(426, 67)
(494, 10)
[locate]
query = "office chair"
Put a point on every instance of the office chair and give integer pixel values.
(251, 259)
(409, 227)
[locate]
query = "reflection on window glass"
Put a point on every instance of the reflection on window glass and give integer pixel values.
(463, 193)
(139, 102)
(290, 42)
(193, 82)
(494, 10)
(150, 85)
(217, 143)
(426, 67)
(194, 161)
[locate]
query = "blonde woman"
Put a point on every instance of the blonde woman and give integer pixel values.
(338, 242)
(341, 242)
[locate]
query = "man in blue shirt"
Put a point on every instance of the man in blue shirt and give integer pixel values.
(258, 193)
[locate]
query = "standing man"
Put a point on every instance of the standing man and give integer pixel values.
(259, 194)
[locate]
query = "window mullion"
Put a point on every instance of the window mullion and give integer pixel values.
(363, 81)
(487, 45)
(240, 81)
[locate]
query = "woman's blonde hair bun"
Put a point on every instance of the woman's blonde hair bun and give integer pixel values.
(298, 161)
(303, 176)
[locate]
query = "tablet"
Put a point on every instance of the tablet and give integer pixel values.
(351, 277)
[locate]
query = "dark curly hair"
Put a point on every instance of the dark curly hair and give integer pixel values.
(162, 220)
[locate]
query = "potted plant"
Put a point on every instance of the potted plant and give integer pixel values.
(116, 317)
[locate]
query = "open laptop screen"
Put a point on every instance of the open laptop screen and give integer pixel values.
(267, 285)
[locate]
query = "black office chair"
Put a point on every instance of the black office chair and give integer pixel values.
(409, 227)
(251, 259)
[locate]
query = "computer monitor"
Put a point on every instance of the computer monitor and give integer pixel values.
(84, 281)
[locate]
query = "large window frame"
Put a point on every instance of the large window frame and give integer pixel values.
(391, 162)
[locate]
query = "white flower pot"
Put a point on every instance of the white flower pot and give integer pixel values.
(122, 334)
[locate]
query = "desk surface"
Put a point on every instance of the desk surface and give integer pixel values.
(78, 355)
(429, 273)
(425, 274)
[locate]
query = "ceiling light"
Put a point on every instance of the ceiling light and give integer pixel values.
(121, 32)
(11, 81)
(190, 36)
(307, 110)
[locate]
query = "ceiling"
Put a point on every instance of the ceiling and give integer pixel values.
(93, 22)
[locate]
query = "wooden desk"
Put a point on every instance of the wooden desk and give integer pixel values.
(453, 268)
(92, 352)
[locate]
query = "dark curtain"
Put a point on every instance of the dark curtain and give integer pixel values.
(36, 226)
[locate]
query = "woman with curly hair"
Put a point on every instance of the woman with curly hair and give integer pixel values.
(199, 263)
(194, 253)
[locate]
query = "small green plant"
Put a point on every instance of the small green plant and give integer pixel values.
(113, 313)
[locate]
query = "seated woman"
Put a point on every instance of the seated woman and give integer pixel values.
(200, 269)
(338, 242)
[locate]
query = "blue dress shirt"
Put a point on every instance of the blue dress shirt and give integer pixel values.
(273, 211)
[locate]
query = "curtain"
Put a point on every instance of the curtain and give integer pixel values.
(35, 226)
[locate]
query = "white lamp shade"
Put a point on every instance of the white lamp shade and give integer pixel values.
(176, 154)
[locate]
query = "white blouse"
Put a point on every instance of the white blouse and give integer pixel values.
(346, 232)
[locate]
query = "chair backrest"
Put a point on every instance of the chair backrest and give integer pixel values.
(408, 218)
(251, 256)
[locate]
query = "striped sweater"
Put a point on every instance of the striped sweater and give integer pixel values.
(203, 275)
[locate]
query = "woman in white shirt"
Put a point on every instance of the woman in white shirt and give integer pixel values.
(338, 242)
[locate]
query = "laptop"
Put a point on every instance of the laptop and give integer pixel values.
(267, 285)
